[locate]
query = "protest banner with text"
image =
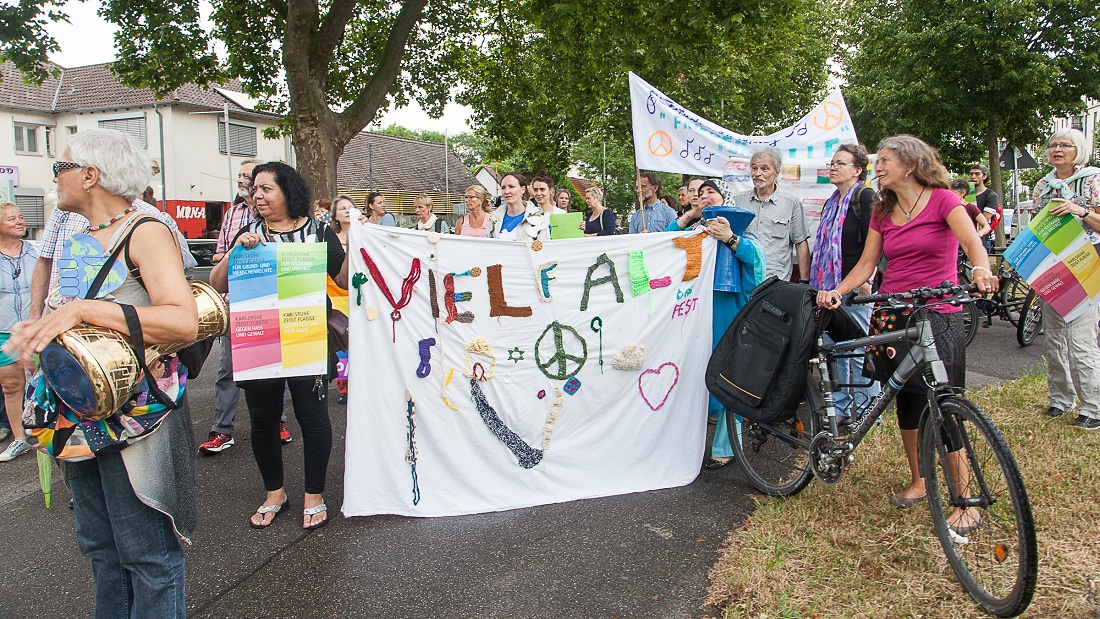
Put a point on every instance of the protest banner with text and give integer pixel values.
(487, 375)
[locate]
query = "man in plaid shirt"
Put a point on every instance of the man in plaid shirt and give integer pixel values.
(226, 393)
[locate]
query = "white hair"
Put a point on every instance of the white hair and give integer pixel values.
(1084, 149)
(770, 153)
(124, 167)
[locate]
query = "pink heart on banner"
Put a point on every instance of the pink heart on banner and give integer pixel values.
(658, 383)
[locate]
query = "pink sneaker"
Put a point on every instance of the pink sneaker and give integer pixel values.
(284, 434)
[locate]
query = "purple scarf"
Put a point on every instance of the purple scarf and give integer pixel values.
(825, 270)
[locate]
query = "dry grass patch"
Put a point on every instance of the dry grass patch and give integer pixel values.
(844, 551)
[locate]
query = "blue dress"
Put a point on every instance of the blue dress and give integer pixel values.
(750, 258)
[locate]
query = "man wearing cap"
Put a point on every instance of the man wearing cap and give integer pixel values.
(986, 199)
(780, 222)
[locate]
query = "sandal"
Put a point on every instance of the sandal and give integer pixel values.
(268, 509)
(310, 512)
(965, 529)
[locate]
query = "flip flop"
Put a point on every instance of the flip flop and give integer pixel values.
(268, 509)
(904, 503)
(313, 511)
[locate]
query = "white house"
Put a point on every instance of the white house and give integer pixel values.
(184, 134)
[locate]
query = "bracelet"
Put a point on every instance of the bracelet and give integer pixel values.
(986, 269)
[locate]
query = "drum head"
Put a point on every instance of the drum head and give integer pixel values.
(67, 379)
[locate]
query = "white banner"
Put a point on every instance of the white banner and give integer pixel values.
(670, 138)
(514, 377)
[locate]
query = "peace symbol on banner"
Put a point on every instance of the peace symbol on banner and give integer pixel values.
(557, 367)
(829, 116)
(660, 144)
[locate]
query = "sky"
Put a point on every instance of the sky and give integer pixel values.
(88, 39)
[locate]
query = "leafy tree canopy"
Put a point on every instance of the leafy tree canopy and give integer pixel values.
(549, 82)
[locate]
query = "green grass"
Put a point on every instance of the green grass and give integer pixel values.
(844, 551)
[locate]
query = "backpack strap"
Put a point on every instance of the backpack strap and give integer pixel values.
(438, 225)
(138, 341)
(105, 270)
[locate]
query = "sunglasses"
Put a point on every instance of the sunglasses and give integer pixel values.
(61, 166)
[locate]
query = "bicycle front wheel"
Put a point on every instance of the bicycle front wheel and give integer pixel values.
(1031, 320)
(985, 526)
(775, 457)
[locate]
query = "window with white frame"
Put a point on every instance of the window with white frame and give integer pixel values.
(242, 138)
(51, 137)
(26, 139)
(134, 126)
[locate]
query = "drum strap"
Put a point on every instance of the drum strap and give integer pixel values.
(138, 340)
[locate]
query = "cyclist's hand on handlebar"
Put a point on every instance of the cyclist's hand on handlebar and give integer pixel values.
(829, 299)
(987, 282)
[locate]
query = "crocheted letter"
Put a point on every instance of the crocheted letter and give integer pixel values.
(449, 298)
(693, 245)
(611, 278)
(498, 306)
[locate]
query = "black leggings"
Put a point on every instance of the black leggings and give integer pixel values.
(265, 407)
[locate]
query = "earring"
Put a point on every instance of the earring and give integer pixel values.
(87, 190)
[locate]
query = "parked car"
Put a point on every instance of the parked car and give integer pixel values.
(203, 251)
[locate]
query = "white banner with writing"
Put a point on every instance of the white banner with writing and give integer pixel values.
(670, 138)
(486, 375)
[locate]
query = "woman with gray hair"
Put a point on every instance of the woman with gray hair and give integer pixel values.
(600, 220)
(1073, 359)
(130, 505)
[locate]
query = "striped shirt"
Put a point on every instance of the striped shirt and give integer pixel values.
(235, 218)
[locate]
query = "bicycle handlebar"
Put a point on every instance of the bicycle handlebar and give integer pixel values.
(921, 296)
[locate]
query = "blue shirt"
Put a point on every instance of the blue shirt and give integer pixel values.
(15, 286)
(657, 217)
(510, 222)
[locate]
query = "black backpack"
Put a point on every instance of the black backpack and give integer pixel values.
(759, 367)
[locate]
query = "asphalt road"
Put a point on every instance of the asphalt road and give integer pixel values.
(639, 555)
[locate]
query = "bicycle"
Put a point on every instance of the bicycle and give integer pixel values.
(963, 458)
(1014, 301)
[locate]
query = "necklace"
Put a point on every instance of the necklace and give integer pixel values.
(114, 219)
(909, 213)
(294, 226)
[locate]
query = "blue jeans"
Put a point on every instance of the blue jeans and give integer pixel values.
(137, 561)
(851, 370)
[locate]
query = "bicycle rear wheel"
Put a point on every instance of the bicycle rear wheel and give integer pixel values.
(1031, 323)
(775, 466)
(991, 544)
(971, 318)
(1015, 297)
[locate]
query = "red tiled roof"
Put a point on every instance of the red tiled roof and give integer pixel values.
(95, 87)
(581, 184)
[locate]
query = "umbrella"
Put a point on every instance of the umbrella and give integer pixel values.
(45, 474)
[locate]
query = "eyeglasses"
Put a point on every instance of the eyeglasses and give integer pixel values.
(471, 197)
(836, 165)
(61, 166)
(1062, 145)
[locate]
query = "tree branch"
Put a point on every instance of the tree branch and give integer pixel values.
(371, 96)
(329, 35)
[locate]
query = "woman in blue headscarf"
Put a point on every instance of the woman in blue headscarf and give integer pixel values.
(749, 257)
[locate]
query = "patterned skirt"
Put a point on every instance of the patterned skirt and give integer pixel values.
(950, 334)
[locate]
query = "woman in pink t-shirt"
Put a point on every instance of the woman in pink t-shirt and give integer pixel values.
(919, 225)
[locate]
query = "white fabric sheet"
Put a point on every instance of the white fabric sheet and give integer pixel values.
(606, 439)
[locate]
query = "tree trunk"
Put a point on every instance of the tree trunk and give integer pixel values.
(318, 149)
(995, 182)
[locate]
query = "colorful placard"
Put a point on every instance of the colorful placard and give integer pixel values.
(277, 314)
(1054, 255)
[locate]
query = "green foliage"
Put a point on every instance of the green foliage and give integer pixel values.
(952, 71)
(550, 81)
(23, 37)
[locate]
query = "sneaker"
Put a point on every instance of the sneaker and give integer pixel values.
(217, 443)
(1087, 423)
(16, 449)
(284, 434)
(1054, 411)
(5, 433)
